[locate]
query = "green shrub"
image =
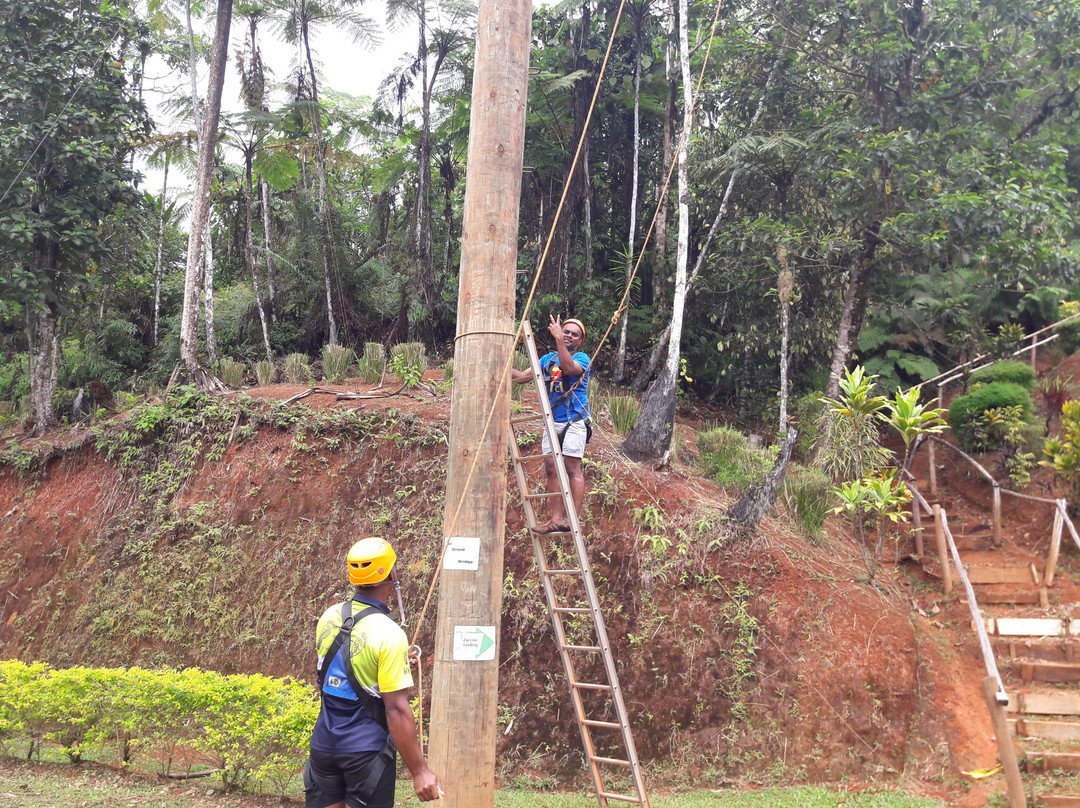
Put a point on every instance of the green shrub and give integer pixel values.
(806, 410)
(232, 373)
(373, 362)
(408, 361)
(624, 412)
(337, 359)
(297, 369)
(264, 372)
(1010, 371)
(966, 411)
(254, 728)
(726, 457)
(808, 494)
(1070, 332)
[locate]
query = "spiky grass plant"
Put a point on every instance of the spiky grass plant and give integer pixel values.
(624, 411)
(232, 373)
(264, 372)
(373, 362)
(808, 494)
(297, 369)
(337, 359)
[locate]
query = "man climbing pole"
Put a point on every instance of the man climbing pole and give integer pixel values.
(566, 376)
(364, 681)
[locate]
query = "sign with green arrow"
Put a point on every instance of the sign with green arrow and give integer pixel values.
(474, 643)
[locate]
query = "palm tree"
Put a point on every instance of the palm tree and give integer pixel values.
(300, 17)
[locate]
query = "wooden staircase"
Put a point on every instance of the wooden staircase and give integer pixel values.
(1037, 650)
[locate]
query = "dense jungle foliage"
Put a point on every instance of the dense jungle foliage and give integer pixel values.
(893, 182)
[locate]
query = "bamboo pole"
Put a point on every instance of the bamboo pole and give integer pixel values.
(943, 550)
(931, 454)
(1006, 751)
(1034, 346)
(465, 692)
(1055, 544)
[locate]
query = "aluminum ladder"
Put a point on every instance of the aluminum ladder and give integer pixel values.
(572, 601)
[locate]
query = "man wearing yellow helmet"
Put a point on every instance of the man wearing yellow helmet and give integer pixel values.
(364, 681)
(566, 374)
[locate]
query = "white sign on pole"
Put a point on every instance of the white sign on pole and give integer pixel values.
(474, 643)
(462, 553)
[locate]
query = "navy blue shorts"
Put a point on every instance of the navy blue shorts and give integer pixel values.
(331, 778)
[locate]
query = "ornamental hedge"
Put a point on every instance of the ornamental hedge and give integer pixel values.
(253, 729)
(1010, 370)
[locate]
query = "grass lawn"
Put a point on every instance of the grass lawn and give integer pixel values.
(60, 785)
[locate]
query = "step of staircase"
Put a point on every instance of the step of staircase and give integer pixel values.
(1058, 800)
(1017, 595)
(1052, 650)
(1038, 670)
(1046, 730)
(1036, 760)
(1003, 574)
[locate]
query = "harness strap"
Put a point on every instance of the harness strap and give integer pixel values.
(374, 706)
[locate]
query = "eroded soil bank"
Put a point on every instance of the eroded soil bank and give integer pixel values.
(210, 533)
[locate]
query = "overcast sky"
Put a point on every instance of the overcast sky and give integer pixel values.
(342, 66)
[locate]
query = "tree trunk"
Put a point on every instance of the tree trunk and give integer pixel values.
(200, 216)
(326, 242)
(851, 315)
(651, 438)
(749, 510)
(160, 250)
(264, 189)
(785, 287)
(249, 258)
(620, 356)
(42, 374)
(208, 298)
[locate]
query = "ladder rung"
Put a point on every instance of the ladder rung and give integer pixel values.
(526, 458)
(611, 761)
(524, 419)
(591, 686)
(573, 609)
(622, 797)
(562, 572)
(602, 724)
(593, 648)
(546, 495)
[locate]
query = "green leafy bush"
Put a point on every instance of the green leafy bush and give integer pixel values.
(337, 359)
(726, 456)
(297, 369)
(966, 411)
(232, 373)
(254, 728)
(1070, 332)
(373, 362)
(1010, 371)
(408, 361)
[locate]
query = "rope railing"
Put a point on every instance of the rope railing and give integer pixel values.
(1032, 336)
(1061, 514)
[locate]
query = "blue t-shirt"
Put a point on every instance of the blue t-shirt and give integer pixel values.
(568, 403)
(380, 661)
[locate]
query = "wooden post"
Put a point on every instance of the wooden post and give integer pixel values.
(916, 519)
(1034, 342)
(997, 515)
(931, 453)
(465, 687)
(1006, 751)
(1055, 543)
(943, 550)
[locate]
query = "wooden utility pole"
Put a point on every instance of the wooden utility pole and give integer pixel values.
(466, 684)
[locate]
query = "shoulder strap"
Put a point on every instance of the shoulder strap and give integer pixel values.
(348, 620)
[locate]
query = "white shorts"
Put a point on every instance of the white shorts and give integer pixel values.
(573, 439)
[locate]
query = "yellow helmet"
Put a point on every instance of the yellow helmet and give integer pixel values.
(370, 561)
